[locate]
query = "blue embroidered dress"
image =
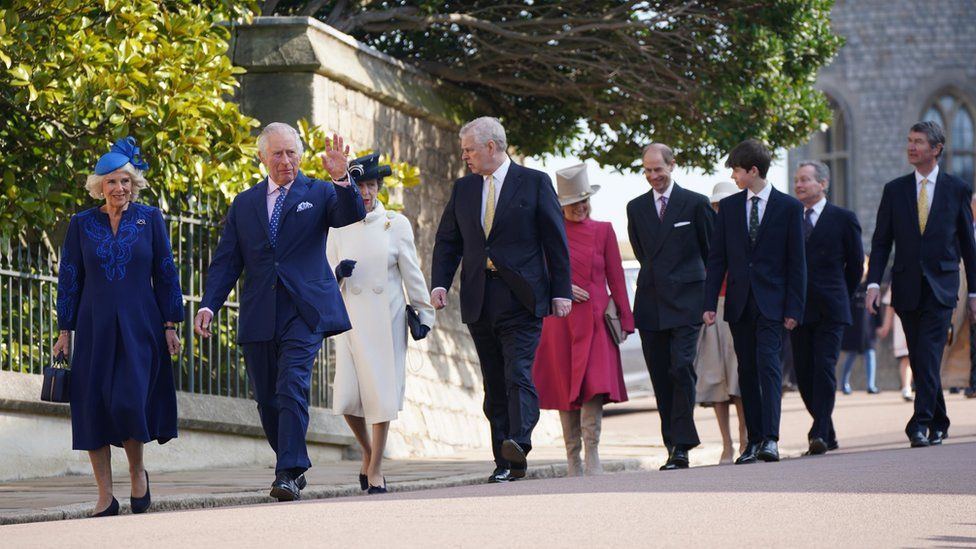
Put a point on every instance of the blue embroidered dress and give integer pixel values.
(115, 292)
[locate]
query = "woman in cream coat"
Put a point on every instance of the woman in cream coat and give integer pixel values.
(375, 261)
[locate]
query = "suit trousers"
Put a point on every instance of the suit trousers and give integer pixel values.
(280, 371)
(506, 337)
(816, 348)
(926, 330)
(670, 358)
(759, 348)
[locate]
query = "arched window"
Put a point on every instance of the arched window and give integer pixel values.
(832, 147)
(955, 115)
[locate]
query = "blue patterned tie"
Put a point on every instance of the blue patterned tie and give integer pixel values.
(276, 215)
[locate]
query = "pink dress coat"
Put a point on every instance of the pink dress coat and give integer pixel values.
(577, 359)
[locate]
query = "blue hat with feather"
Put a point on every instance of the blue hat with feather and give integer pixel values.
(124, 151)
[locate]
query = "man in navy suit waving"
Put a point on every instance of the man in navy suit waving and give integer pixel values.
(926, 215)
(504, 227)
(835, 263)
(758, 240)
(276, 231)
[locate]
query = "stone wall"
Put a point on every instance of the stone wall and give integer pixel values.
(300, 68)
(899, 56)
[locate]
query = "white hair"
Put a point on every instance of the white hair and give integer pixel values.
(281, 129)
(485, 129)
(94, 182)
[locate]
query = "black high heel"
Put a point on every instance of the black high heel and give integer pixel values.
(363, 482)
(110, 511)
(141, 505)
(377, 489)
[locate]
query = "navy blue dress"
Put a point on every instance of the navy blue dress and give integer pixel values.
(115, 292)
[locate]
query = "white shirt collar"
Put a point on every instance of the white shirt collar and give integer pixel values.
(273, 187)
(931, 177)
(501, 172)
(666, 193)
(763, 194)
(819, 206)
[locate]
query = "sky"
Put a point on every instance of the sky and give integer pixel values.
(616, 190)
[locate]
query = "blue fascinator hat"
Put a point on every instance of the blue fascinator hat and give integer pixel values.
(368, 167)
(123, 152)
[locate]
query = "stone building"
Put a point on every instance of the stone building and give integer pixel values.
(903, 61)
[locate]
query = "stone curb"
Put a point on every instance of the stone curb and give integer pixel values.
(211, 501)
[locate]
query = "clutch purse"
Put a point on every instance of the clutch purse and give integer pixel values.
(417, 331)
(57, 381)
(612, 318)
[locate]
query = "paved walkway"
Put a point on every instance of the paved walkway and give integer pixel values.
(866, 424)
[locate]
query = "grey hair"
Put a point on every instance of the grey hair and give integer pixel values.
(666, 153)
(279, 128)
(94, 182)
(933, 133)
(820, 170)
(485, 129)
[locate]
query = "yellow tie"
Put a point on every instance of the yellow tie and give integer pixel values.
(923, 206)
(490, 213)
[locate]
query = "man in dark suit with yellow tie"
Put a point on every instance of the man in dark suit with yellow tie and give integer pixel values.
(504, 227)
(926, 216)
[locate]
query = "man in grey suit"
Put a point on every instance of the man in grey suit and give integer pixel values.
(669, 229)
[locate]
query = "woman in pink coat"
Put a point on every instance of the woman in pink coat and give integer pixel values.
(577, 366)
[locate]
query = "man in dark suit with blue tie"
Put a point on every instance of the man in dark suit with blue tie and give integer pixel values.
(758, 241)
(276, 231)
(669, 228)
(504, 227)
(926, 216)
(835, 263)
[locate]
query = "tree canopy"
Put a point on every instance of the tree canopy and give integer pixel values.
(602, 78)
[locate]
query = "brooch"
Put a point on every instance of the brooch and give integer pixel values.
(140, 221)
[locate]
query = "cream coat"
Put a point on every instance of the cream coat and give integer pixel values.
(371, 358)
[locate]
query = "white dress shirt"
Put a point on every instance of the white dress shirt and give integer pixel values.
(763, 200)
(817, 210)
(499, 176)
(666, 194)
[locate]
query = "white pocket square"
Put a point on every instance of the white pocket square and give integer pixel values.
(304, 206)
(682, 223)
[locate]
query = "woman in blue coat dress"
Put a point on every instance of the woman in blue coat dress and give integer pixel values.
(119, 291)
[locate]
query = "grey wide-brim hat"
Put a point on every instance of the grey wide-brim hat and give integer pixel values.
(572, 185)
(723, 189)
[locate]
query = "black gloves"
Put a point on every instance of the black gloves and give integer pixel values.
(344, 269)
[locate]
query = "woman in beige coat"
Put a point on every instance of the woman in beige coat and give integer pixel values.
(375, 261)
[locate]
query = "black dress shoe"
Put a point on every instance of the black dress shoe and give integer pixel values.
(936, 437)
(363, 482)
(301, 482)
(377, 489)
(141, 505)
(749, 455)
(515, 455)
(500, 474)
(832, 445)
(678, 460)
(110, 511)
(918, 440)
(817, 447)
(285, 488)
(768, 451)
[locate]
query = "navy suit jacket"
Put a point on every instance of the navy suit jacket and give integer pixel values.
(774, 270)
(934, 255)
(672, 253)
(298, 261)
(835, 264)
(527, 243)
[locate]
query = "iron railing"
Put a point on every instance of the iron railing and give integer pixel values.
(214, 366)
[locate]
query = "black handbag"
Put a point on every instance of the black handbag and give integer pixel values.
(612, 317)
(417, 330)
(57, 381)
